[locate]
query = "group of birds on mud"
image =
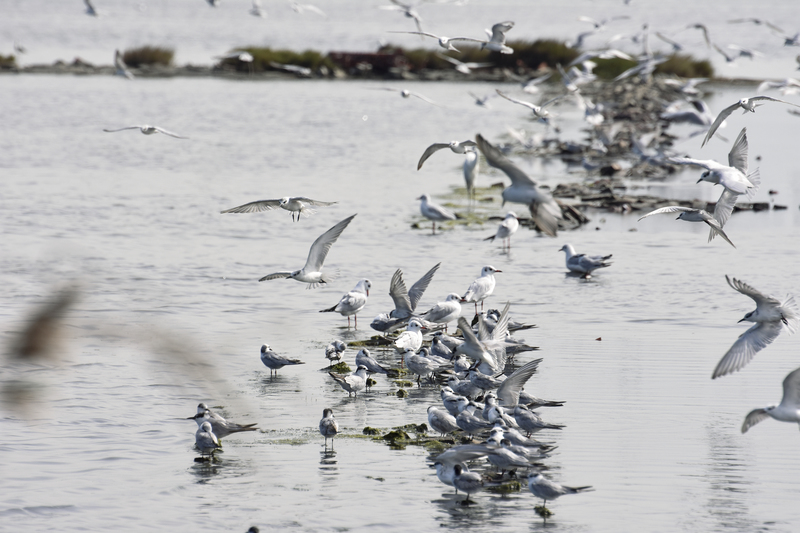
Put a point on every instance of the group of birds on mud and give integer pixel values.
(479, 399)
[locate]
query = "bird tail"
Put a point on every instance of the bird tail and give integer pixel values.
(329, 310)
(489, 238)
(716, 229)
(754, 178)
(790, 315)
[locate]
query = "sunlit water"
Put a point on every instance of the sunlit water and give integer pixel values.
(136, 219)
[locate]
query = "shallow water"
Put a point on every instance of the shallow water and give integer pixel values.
(136, 220)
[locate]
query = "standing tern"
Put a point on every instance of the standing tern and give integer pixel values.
(543, 488)
(441, 421)
(411, 338)
(481, 288)
(787, 411)
(221, 427)
(507, 228)
(334, 351)
(274, 362)
(311, 271)
(328, 426)
(530, 422)
(147, 130)
(299, 205)
(352, 383)
(363, 358)
(545, 211)
(770, 315)
(352, 302)
(746, 104)
(444, 312)
(434, 212)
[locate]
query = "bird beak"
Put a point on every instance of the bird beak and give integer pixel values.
(742, 320)
(498, 271)
(698, 181)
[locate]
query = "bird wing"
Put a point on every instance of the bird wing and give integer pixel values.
(668, 209)
(552, 100)
(417, 33)
(399, 294)
(508, 392)
(254, 207)
(423, 98)
(754, 417)
(791, 390)
(746, 346)
(737, 157)
(496, 159)
(546, 214)
(499, 31)
(470, 39)
(276, 275)
(429, 151)
(421, 286)
(758, 297)
(716, 229)
(121, 129)
(309, 201)
(770, 99)
(461, 454)
(529, 105)
(707, 164)
(466, 330)
(724, 206)
(500, 331)
(165, 132)
(725, 113)
(319, 250)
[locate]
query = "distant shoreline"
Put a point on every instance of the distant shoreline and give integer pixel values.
(499, 75)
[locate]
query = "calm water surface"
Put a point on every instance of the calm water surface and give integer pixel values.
(136, 219)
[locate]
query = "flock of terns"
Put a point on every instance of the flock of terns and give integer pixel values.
(479, 397)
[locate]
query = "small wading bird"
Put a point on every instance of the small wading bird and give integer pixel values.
(543, 488)
(352, 302)
(770, 316)
(221, 427)
(434, 212)
(787, 411)
(299, 205)
(147, 130)
(311, 271)
(274, 361)
(507, 228)
(352, 383)
(328, 426)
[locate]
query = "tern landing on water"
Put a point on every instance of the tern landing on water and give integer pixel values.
(769, 316)
(545, 211)
(746, 104)
(311, 272)
(787, 411)
(294, 204)
(147, 130)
